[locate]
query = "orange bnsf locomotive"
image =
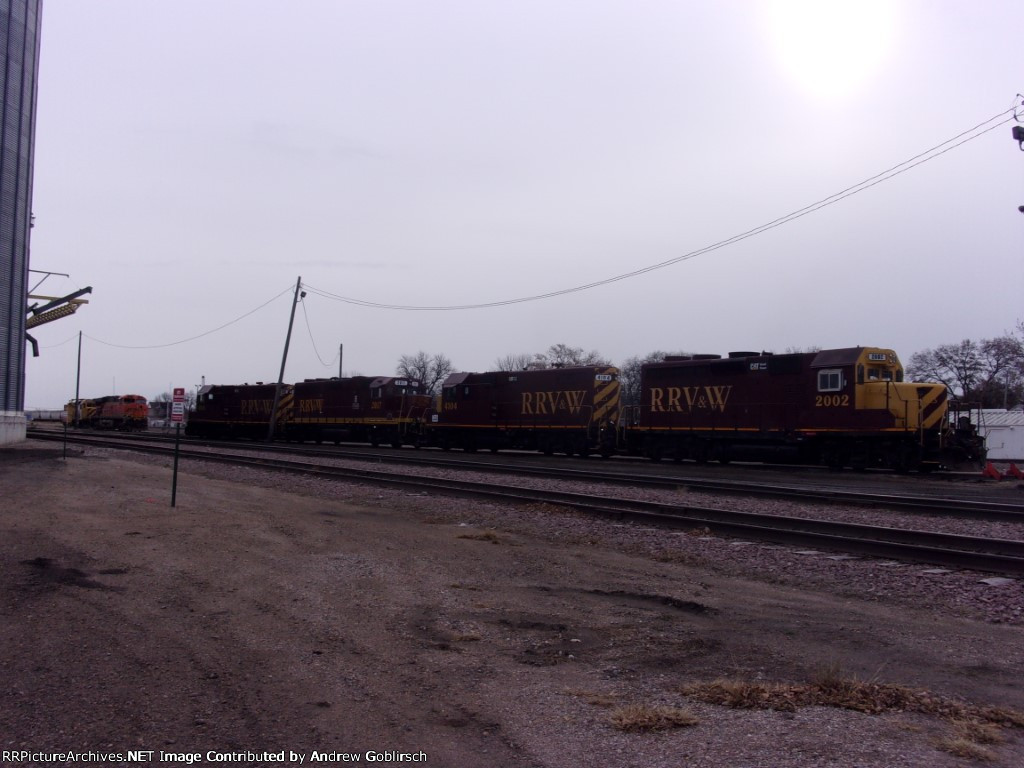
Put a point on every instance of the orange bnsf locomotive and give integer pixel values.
(368, 409)
(838, 407)
(124, 412)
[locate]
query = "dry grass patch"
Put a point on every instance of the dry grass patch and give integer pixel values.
(977, 731)
(971, 725)
(830, 689)
(636, 718)
(965, 748)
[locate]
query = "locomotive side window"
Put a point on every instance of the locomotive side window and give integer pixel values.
(830, 380)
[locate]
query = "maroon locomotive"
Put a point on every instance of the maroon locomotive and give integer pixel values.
(381, 409)
(239, 410)
(837, 407)
(567, 410)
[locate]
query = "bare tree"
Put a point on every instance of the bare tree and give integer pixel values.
(560, 355)
(990, 371)
(958, 366)
(556, 356)
(629, 374)
(429, 369)
(514, 362)
(159, 403)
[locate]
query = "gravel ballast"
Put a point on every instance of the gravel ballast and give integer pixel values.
(275, 613)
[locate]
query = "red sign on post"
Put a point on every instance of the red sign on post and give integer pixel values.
(178, 406)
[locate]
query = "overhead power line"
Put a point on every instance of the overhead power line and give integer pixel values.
(312, 341)
(190, 338)
(923, 157)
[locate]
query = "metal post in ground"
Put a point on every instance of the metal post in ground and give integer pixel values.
(174, 480)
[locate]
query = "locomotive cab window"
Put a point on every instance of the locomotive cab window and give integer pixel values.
(879, 374)
(830, 380)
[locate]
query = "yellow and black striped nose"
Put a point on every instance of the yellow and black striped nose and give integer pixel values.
(285, 406)
(934, 404)
(606, 396)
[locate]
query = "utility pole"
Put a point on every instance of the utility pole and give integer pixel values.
(341, 349)
(1018, 136)
(78, 380)
(284, 358)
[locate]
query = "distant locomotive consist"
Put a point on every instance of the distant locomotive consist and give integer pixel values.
(838, 407)
(123, 412)
(369, 409)
(566, 410)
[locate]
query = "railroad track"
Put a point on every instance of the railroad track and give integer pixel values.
(967, 552)
(974, 509)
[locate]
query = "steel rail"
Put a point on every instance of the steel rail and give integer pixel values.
(967, 552)
(969, 508)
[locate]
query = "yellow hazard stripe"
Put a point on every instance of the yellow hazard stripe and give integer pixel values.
(606, 397)
(934, 407)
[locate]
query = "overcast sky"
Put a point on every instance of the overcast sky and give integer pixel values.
(195, 157)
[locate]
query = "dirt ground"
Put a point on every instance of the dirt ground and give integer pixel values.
(333, 620)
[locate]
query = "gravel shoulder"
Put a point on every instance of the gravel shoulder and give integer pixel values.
(265, 613)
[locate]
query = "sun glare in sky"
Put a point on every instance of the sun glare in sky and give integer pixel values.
(830, 49)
